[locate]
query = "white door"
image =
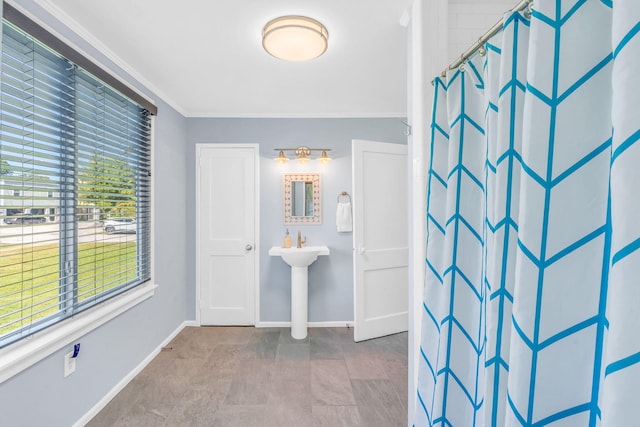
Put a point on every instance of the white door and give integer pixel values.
(226, 232)
(380, 239)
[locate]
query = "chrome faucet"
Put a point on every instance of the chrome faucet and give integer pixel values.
(300, 240)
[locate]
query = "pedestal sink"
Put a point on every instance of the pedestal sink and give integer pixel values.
(299, 259)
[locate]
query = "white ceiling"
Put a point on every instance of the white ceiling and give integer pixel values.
(205, 58)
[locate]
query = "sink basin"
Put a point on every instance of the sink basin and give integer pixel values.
(299, 259)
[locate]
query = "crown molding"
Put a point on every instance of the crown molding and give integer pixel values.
(50, 7)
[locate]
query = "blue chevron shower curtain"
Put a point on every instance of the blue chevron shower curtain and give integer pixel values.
(531, 311)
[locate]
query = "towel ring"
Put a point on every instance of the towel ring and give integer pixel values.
(344, 194)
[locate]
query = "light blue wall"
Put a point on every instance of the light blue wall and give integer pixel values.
(40, 396)
(330, 278)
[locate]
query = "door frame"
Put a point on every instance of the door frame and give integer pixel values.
(256, 223)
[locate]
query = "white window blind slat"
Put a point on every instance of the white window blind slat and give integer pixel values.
(74, 189)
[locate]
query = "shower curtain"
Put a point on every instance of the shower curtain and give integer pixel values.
(531, 311)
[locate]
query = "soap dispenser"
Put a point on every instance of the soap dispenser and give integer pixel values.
(287, 240)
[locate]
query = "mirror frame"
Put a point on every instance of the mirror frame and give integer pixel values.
(287, 179)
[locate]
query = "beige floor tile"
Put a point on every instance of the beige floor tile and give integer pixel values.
(330, 384)
(335, 416)
(242, 376)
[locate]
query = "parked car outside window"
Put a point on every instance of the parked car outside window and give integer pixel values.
(120, 225)
(26, 218)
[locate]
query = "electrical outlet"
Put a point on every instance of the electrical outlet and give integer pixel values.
(69, 364)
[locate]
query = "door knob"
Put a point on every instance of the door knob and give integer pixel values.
(248, 248)
(362, 250)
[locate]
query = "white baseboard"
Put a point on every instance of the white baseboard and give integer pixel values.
(336, 324)
(130, 376)
(332, 324)
(273, 325)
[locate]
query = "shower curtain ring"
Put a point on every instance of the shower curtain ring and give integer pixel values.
(528, 11)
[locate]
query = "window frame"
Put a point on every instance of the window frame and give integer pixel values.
(27, 351)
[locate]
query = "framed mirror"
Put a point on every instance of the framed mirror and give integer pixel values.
(301, 198)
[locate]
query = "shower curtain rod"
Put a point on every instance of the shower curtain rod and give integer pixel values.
(482, 40)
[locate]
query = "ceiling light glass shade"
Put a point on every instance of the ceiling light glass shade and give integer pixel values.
(281, 157)
(324, 159)
(295, 38)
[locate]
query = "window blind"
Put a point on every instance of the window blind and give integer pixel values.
(74, 188)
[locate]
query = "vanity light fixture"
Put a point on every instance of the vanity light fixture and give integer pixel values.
(303, 154)
(324, 159)
(295, 38)
(281, 157)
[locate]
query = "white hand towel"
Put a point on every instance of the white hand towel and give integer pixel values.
(343, 217)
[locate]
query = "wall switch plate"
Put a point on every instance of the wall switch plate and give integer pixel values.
(69, 364)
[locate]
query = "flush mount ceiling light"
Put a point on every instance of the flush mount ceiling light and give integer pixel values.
(295, 38)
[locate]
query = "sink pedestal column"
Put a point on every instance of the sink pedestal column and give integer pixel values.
(299, 260)
(299, 302)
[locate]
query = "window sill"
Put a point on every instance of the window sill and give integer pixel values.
(19, 356)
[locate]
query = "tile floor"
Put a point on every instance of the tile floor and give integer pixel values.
(244, 376)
